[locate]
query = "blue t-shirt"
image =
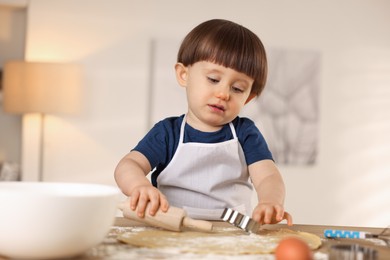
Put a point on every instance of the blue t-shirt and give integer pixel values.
(160, 143)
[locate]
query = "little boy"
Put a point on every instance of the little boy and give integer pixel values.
(204, 160)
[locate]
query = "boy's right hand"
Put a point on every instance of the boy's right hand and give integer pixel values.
(143, 195)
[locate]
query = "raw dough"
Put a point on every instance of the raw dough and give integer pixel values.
(223, 240)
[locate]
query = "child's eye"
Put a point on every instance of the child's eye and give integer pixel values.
(237, 90)
(212, 80)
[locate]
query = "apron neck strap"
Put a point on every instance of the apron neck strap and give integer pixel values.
(183, 124)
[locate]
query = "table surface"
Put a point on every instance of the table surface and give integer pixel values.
(112, 249)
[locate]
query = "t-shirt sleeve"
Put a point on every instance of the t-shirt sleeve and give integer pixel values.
(253, 142)
(154, 145)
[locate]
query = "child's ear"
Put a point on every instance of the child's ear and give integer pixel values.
(181, 74)
(251, 96)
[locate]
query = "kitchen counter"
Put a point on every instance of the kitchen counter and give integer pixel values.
(112, 249)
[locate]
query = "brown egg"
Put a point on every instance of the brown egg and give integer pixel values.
(292, 248)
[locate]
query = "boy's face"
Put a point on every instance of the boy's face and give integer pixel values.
(215, 94)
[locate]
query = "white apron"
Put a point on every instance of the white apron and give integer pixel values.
(205, 178)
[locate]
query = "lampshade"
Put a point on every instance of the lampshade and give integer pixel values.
(40, 87)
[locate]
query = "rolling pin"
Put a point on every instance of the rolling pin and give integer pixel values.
(174, 219)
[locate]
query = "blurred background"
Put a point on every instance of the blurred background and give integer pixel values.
(339, 51)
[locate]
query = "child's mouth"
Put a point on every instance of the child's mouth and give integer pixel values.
(217, 108)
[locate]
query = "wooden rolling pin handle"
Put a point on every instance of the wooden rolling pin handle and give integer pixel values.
(200, 225)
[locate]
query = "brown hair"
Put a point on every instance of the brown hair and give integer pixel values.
(228, 44)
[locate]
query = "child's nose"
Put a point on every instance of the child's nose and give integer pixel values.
(223, 94)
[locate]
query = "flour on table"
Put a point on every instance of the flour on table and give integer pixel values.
(222, 241)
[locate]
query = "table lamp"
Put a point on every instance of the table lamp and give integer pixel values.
(43, 88)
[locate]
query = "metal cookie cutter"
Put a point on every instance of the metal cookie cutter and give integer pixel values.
(354, 251)
(239, 220)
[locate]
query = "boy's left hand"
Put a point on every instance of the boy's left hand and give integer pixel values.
(268, 213)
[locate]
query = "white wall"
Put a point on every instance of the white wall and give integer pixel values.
(349, 185)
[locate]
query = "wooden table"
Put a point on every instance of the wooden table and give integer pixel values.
(112, 249)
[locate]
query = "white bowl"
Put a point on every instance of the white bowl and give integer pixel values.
(41, 220)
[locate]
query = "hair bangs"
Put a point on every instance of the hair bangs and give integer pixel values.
(235, 53)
